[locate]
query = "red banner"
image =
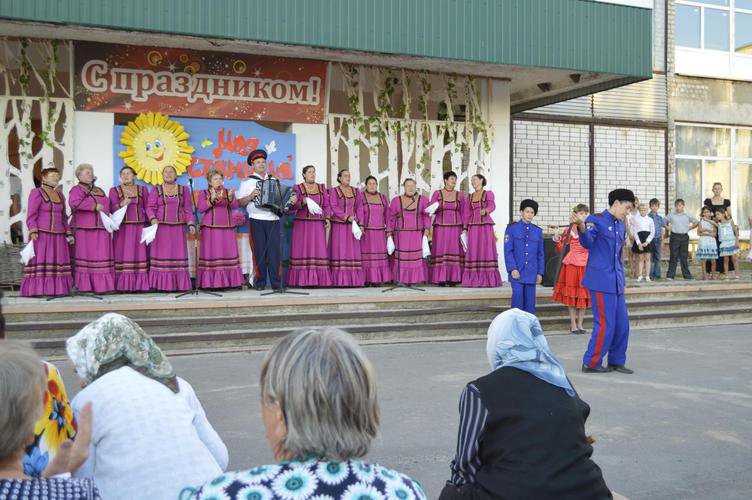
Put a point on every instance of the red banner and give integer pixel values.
(133, 79)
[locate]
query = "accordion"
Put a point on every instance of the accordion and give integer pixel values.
(273, 196)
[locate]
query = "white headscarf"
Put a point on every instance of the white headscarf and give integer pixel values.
(515, 338)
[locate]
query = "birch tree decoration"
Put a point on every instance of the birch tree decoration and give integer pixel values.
(35, 103)
(405, 133)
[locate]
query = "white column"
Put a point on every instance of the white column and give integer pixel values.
(499, 114)
(92, 143)
(310, 149)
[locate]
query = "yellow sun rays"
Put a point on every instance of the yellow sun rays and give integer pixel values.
(152, 142)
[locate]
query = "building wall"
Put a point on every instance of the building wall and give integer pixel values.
(708, 100)
(632, 158)
(551, 165)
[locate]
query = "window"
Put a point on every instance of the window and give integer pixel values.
(716, 33)
(709, 154)
(688, 26)
(706, 24)
(743, 32)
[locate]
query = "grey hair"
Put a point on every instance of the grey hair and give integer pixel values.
(83, 166)
(326, 389)
(22, 383)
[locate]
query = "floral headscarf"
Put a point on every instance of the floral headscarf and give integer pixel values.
(114, 341)
(515, 338)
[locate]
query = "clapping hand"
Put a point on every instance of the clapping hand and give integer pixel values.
(72, 454)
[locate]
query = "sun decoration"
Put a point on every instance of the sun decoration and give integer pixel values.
(153, 142)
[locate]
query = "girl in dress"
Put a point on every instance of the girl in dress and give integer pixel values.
(447, 252)
(218, 260)
(131, 258)
(707, 250)
(728, 238)
(170, 206)
(345, 259)
(372, 216)
(481, 268)
(309, 256)
(48, 273)
(409, 223)
(92, 252)
(643, 232)
(568, 289)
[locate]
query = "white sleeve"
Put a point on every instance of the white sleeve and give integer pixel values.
(652, 232)
(244, 189)
(206, 432)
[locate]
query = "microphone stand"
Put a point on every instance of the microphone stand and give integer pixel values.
(74, 291)
(398, 283)
(282, 287)
(195, 290)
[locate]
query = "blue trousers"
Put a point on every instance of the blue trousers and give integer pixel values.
(523, 296)
(610, 330)
(265, 242)
(655, 258)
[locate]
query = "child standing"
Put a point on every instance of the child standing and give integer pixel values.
(631, 256)
(655, 252)
(680, 224)
(568, 289)
(524, 257)
(707, 249)
(728, 238)
(643, 232)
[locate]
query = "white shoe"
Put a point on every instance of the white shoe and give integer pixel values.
(647, 278)
(639, 278)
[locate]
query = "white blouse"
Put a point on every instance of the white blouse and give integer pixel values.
(147, 441)
(640, 224)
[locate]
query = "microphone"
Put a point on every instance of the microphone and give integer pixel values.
(93, 180)
(190, 181)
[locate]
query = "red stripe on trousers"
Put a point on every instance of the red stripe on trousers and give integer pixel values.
(253, 251)
(595, 360)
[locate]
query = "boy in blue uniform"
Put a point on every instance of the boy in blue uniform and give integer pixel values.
(524, 257)
(603, 235)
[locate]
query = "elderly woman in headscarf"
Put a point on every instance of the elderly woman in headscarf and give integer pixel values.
(522, 426)
(320, 412)
(151, 436)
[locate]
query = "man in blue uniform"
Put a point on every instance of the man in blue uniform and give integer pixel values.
(603, 235)
(524, 257)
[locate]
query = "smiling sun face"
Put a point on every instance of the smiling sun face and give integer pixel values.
(152, 142)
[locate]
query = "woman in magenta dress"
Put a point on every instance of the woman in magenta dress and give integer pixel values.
(372, 217)
(93, 269)
(131, 256)
(218, 259)
(409, 223)
(481, 258)
(447, 254)
(345, 259)
(309, 256)
(170, 206)
(49, 272)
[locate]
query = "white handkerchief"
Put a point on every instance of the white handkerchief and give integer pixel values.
(28, 252)
(149, 233)
(389, 245)
(117, 217)
(426, 247)
(463, 240)
(431, 209)
(356, 231)
(107, 222)
(313, 207)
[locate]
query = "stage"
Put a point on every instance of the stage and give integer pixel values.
(245, 319)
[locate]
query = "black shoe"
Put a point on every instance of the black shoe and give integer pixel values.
(620, 369)
(259, 287)
(581, 331)
(597, 369)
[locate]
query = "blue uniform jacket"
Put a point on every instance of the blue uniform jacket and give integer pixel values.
(523, 251)
(604, 238)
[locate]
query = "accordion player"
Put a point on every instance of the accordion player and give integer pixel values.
(272, 195)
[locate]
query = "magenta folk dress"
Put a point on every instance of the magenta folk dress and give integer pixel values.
(309, 256)
(218, 259)
(447, 254)
(406, 223)
(482, 258)
(49, 272)
(94, 269)
(345, 259)
(168, 255)
(131, 256)
(373, 214)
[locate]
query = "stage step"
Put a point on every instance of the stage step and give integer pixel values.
(243, 319)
